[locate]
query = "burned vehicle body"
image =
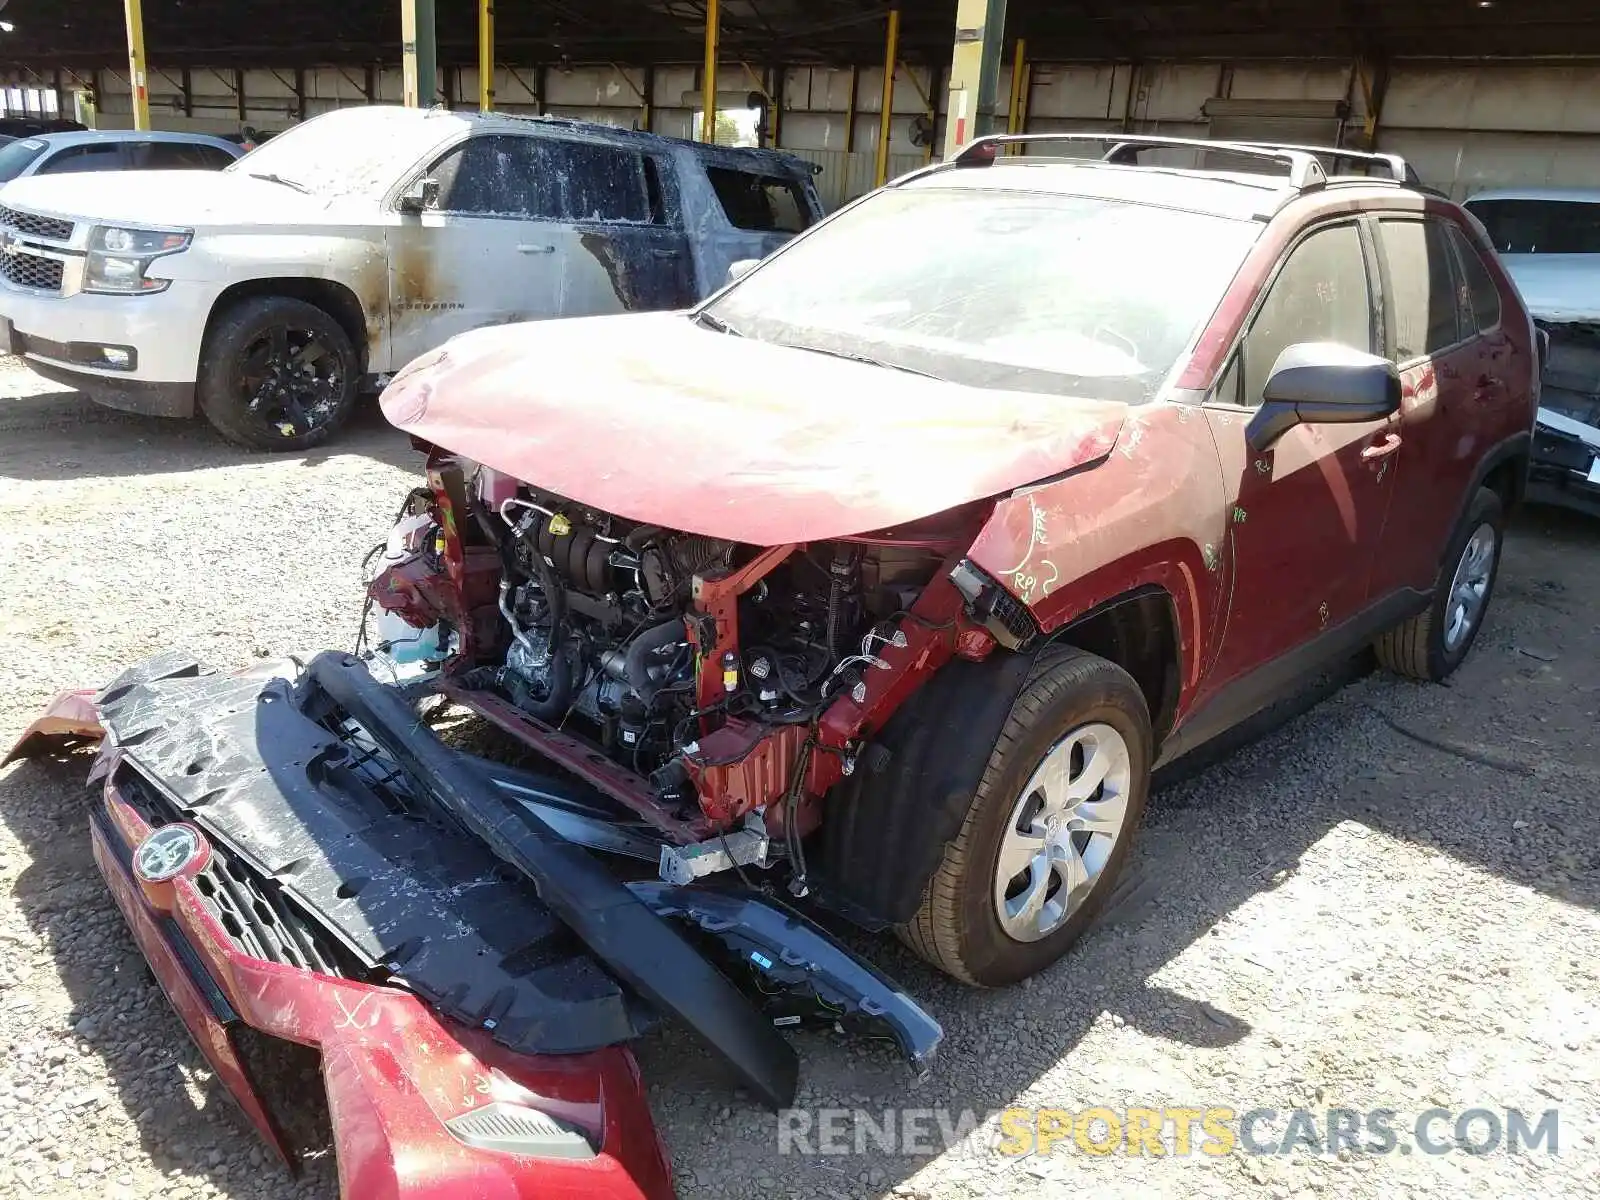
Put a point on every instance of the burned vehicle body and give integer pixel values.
(1549, 240)
(269, 296)
(879, 592)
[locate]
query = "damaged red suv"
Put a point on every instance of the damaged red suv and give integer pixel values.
(881, 580)
(927, 539)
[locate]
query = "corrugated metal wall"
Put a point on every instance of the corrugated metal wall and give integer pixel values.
(1465, 126)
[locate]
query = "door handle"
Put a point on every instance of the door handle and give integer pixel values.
(534, 249)
(1383, 449)
(664, 252)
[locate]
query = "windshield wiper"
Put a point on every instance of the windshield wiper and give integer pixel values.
(861, 358)
(716, 324)
(273, 178)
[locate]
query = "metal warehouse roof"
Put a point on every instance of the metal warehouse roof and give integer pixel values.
(305, 32)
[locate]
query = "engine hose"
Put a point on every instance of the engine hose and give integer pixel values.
(554, 706)
(842, 575)
(635, 665)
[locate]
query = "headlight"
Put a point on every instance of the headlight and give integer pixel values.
(119, 258)
(142, 242)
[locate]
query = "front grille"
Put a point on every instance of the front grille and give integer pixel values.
(22, 269)
(261, 920)
(35, 225)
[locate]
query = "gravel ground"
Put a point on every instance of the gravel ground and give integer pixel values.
(1387, 901)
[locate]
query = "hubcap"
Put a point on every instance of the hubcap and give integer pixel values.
(1469, 590)
(1062, 831)
(290, 381)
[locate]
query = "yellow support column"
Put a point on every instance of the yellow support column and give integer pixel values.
(974, 72)
(136, 73)
(485, 55)
(708, 79)
(418, 54)
(1019, 71)
(891, 57)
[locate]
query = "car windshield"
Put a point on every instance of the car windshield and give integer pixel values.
(1014, 290)
(1540, 226)
(15, 157)
(351, 151)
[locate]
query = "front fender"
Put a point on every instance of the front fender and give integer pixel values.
(1150, 514)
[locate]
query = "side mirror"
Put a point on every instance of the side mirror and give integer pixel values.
(422, 195)
(742, 268)
(1322, 383)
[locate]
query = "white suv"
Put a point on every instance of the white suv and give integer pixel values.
(268, 296)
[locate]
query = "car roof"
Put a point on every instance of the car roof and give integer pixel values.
(376, 117)
(1229, 192)
(1241, 197)
(1579, 195)
(81, 137)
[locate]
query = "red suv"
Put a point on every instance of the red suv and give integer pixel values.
(929, 537)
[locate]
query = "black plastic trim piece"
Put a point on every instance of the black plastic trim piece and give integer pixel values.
(787, 950)
(647, 953)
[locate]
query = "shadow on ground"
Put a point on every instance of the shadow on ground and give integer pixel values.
(61, 434)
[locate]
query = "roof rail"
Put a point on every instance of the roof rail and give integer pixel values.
(1399, 170)
(1305, 170)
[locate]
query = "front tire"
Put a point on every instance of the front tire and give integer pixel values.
(1432, 644)
(1049, 828)
(277, 374)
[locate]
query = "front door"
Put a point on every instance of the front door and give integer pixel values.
(1305, 516)
(485, 255)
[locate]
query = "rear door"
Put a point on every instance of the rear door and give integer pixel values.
(626, 208)
(1306, 516)
(1450, 386)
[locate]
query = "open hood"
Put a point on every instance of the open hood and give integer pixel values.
(654, 418)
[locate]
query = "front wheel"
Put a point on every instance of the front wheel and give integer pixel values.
(277, 374)
(1049, 828)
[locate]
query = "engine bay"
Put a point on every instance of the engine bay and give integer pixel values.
(677, 657)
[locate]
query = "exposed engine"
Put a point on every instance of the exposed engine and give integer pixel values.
(596, 610)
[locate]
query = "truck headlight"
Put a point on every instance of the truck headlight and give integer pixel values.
(119, 258)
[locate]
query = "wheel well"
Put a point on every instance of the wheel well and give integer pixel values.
(1508, 479)
(1138, 632)
(338, 301)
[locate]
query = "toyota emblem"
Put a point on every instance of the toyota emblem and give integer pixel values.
(167, 853)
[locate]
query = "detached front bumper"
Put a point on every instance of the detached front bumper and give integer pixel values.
(295, 852)
(412, 1098)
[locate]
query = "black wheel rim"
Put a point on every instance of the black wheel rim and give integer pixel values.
(291, 380)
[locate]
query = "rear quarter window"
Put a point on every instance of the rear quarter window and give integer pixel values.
(760, 203)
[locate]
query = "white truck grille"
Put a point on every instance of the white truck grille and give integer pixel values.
(24, 262)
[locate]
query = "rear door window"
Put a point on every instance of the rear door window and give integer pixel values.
(179, 156)
(1422, 288)
(96, 156)
(760, 203)
(1320, 295)
(1482, 296)
(1540, 226)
